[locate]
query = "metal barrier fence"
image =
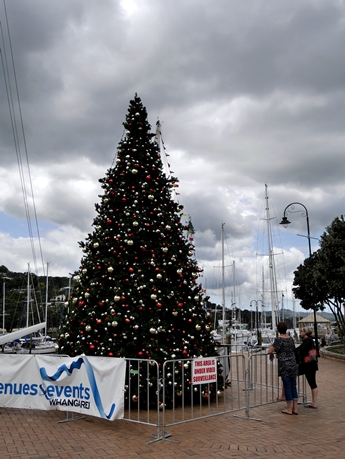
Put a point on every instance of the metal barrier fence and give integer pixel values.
(194, 401)
(250, 378)
(264, 384)
(143, 406)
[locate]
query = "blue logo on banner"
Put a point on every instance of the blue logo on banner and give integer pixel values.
(76, 365)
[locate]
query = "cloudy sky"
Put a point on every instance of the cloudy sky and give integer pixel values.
(248, 92)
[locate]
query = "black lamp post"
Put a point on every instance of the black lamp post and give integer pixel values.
(304, 213)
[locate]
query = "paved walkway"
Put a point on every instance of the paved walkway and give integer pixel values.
(315, 434)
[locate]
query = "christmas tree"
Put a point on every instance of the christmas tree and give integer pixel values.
(137, 293)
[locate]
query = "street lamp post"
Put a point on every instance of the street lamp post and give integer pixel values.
(304, 213)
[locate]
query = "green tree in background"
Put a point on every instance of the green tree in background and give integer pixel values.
(138, 294)
(320, 279)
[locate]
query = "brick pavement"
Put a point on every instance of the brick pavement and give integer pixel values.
(32, 434)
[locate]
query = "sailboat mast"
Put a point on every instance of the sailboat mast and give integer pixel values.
(263, 299)
(271, 265)
(46, 312)
(234, 290)
(28, 297)
(223, 283)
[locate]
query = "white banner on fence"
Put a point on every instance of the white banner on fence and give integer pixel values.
(204, 370)
(87, 385)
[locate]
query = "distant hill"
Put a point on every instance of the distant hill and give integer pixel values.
(288, 313)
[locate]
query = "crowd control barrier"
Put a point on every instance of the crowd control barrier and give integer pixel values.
(250, 378)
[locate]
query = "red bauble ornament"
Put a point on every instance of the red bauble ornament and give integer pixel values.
(159, 305)
(110, 354)
(184, 352)
(92, 347)
(131, 270)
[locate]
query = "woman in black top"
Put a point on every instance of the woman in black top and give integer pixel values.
(309, 368)
(284, 347)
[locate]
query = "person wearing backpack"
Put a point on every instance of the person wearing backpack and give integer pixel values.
(309, 363)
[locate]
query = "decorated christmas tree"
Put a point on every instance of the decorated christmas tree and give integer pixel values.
(138, 293)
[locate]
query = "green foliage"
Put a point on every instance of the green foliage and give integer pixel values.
(321, 278)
